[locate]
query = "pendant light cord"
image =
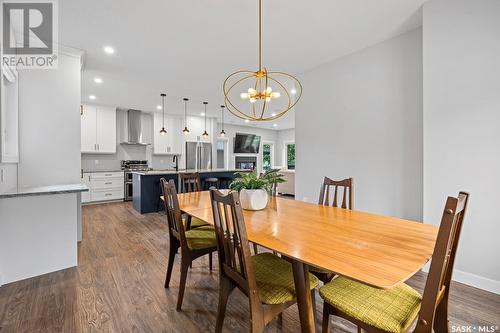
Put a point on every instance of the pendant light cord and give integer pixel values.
(163, 107)
(260, 35)
(185, 111)
(222, 109)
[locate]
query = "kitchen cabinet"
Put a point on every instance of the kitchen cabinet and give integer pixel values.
(8, 177)
(171, 142)
(103, 186)
(9, 115)
(86, 181)
(98, 129)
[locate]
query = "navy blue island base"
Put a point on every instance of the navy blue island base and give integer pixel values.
(147, 190)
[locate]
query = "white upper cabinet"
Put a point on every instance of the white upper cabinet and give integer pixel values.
(88, 129)
(171, 142)
(9, 115)
(106, 130)
(98, 129)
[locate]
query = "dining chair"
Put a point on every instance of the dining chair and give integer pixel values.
(347, 195)
(266, 279)
(395, 310)
(325, 195)
(189, 182)
(193, 243)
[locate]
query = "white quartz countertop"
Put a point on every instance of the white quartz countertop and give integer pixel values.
(173, 172)
(45, 190)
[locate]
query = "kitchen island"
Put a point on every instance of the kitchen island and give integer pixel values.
(147, 190)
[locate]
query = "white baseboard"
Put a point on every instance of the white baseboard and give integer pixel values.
(476, 281)
(472, 280)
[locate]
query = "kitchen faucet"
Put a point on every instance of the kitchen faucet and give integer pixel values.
(176, 160)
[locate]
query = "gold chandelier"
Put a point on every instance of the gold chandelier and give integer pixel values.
(263, 95)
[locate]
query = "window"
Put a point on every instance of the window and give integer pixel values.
(290, 156)
(267, 156)
(222, 154)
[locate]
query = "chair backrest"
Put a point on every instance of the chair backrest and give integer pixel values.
(172, 210)
(437, 286)
(189, 182)
(232, 241)
(347, 196)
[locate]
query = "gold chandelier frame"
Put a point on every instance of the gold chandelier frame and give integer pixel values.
(261, 77)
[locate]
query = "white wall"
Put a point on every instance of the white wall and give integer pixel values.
(49, 124)
(361, 117)
(461, 48)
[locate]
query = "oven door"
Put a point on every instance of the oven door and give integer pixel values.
(128, 191)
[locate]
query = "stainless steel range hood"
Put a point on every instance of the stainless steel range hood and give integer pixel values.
(136, 128)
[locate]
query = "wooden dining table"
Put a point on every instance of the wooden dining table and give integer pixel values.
(380, 251)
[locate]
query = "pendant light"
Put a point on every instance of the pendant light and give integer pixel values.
(222, 133)
(185, 130)
(205, 134)
(163, 131)
(248, 92)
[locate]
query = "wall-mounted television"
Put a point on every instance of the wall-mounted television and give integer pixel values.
(246, 143)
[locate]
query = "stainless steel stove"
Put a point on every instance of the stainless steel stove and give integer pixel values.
(128, 166)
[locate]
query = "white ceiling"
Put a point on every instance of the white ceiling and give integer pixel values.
(187, 47)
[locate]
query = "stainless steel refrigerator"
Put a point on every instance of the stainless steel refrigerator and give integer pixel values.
(198, 155)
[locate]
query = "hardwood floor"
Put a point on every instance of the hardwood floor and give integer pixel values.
(118, 287)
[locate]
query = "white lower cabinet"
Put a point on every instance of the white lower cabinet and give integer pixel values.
(103, 186)
(86, 181)
(8, 177)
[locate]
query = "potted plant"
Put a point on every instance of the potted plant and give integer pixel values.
(254, 190)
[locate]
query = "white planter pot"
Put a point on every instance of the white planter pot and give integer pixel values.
(253, 199)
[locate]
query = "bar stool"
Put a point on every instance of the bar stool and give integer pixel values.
(212, 181)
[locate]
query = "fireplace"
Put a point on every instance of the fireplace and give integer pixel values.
(245, 162)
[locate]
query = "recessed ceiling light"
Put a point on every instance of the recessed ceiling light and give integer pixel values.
(158, 107)
(247, 121)
(293, 91)
(202, 114)
(109, 50)
(92, 97)
(97, 80)
(275, 125)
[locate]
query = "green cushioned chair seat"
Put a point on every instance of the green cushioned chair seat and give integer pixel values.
(274, 278)
(391, 310)
(201, 238)
(196, 223)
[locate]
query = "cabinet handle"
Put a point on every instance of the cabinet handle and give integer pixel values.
(1, 175)
(108, 194)
(108, 174)
(108, 183)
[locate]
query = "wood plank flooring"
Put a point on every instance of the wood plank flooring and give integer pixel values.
(118, 287)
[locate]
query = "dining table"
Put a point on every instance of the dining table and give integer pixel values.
(377, 250)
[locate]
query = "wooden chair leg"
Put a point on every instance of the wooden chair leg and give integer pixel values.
(210, 260)
(313, 301)
(326, 319)
(182, 284)
(171, 259)
(255, 250)
(441, 316)
(224, 292)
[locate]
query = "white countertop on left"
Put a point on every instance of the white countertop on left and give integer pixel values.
(45, 190)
